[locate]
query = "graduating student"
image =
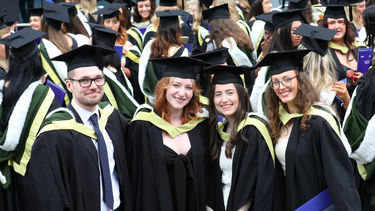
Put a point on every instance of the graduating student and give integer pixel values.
(359, 120)
(35, 19)
(79, 160)
(343, 47)
(55, 43)
(307, 137)
(321, 68)
(75, 28)
(166, 146)
(25, 102)
(224, 32)
(118, 90)
(4, 31)
(168, 43)
(143, 11)
(240, 146)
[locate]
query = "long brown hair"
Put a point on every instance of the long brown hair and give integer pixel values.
(243, 108)
(305, 98)
(55, 36)
(166, 37)
(224, 28)
(191, 110)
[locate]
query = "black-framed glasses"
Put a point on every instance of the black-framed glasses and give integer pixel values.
(85, 83)
(285, 82)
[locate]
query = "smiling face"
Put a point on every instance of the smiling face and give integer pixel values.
(89, 97)
(296, 39)
(339, 25)
(288, 89)
(226, 100)
(144, 9)
(179, 93)
(36, 23)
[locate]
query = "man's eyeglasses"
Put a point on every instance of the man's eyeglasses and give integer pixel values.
(85, 83)
(285, 82)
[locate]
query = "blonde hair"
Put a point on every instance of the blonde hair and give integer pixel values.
(89, 7)
(357, 19)
(232, 8)
(320, 70)
(197, 16)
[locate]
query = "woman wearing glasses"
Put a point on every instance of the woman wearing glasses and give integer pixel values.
(307, 137)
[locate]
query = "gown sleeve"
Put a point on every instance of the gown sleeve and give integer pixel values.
(253, 172)
(338, 170)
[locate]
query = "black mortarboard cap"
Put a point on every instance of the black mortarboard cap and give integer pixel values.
(297, 4)
(206, 3)
(72, 10)
(103, 36)
(22, 42)
(168, 17)
(226, 74)
(55, 14)
(181, 67)
(36, 12)
(129, 3)
(110, 10)
(12, 8)
(2, 22)
(84, 56)
(214, 57)
(213, 13)
(267, 18)
(337, 11)
(282, 18)
(168, 3)
(280, 62)
(315, 38)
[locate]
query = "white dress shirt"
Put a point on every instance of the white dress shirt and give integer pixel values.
(85, 117)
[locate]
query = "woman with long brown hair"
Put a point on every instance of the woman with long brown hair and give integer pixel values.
(240, 146)
(224, 32)
(166, 145)
(168, 43)
(307, 137)
(55, 43)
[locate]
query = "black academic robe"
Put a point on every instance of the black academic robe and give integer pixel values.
(252, 175)
(65, 172)
(148, 168)
(316, 160)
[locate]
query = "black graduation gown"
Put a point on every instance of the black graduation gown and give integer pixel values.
(317, 159)
(65, 173)
(252, 175)
(148, 168)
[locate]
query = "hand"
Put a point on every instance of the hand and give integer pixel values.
(341, 92)
(265, 46)
(125, 48)
(356, 77)
(126, 71)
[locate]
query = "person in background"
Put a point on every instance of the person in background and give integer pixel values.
(307, 137)
(54, 43)
(25, 103)
(75, 28)
(143, 11)
(167, 144)
(168, 43)
(4, 51)
(36, 18)
(359, 120)
(357, 11)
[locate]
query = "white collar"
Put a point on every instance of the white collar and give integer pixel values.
(83, 113)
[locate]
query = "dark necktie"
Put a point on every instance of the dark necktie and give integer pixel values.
(104, 165)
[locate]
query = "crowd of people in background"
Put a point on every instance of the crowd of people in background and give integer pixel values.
(188, 105)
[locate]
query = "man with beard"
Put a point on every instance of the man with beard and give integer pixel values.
(78, 160)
